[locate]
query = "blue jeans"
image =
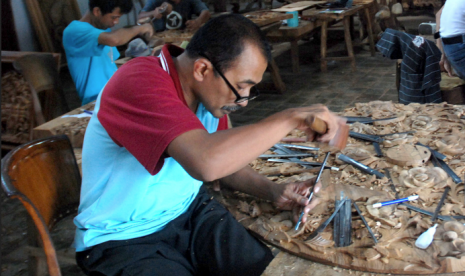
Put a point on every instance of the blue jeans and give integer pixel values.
(455, 53)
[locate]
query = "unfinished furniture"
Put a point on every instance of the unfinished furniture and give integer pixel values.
(345, 16)
(44, 176)
(40, 71)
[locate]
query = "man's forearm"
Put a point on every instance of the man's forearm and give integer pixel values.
(438, 26)
(248, 181)
(204, 16)
(143, 14)
(120, 36)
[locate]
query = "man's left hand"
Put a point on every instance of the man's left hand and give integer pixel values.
(294, 196)
(193, 25)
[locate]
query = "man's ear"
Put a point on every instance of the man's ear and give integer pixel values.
(202, 68)
(96, 11)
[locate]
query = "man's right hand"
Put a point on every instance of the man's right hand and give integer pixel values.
(306, 114)
(146, 31)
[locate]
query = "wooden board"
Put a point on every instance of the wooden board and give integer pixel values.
(71, 126)
(298, 6)
(408, 155)
(263, 18)
(171, 36)
(291, 265)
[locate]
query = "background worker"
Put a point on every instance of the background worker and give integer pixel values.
(180, 17)
(159, 129)
(90, 45)
(450, 21)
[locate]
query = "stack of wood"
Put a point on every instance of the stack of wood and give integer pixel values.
(396, 227)
(17, 113)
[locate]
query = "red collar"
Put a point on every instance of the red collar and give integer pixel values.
(166, 59)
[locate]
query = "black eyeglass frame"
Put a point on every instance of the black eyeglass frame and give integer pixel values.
(253, 94)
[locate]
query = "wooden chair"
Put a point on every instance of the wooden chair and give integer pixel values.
(41, 73)
(44, 176)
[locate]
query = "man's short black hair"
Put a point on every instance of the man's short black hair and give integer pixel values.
(107, 6)
(223, 38)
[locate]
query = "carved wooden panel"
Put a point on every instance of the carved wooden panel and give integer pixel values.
(50, 18)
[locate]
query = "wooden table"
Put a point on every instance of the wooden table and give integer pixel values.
(293, 35)
(345, 16)
(315, 20)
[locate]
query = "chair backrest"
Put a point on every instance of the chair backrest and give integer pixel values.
(41, 73)
(44, 176)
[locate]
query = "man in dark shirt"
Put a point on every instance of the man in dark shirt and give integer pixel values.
(180, 17)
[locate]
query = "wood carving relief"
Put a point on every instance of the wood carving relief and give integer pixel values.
(396, 227)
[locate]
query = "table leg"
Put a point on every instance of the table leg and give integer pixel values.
(370, 31)
(352, 31)
(295, 56)
(278, 82)
(348, 39)
(324, 36)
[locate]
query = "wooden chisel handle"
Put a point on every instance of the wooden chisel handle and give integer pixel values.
(318, 125)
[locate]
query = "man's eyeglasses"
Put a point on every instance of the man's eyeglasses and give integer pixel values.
(254, 93)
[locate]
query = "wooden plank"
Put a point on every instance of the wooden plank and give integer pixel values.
(263, 18)
(11, 56)
(50, 18)
(172, 36)
(290, 265)
(40, 27)
(298, 6)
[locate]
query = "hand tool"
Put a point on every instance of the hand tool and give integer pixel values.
(359, 165)
(315, 236)
(400, 200)
(366, 223)
(364, 120)
(286, 155)
(313, 188)
(302, 163)
(441, 202)
(340, 139)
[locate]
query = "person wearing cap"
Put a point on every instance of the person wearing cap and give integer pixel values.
(450, 21)
(179, 18)
(158, 131)
(90, 45)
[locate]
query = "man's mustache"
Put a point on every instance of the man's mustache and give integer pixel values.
(231, 108)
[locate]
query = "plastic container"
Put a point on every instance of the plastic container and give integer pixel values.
(294, 21)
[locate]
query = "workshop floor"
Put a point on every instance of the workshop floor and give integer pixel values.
(339, 88)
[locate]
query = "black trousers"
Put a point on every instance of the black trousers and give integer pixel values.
(206, 240)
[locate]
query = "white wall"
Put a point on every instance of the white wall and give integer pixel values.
(27, 38)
